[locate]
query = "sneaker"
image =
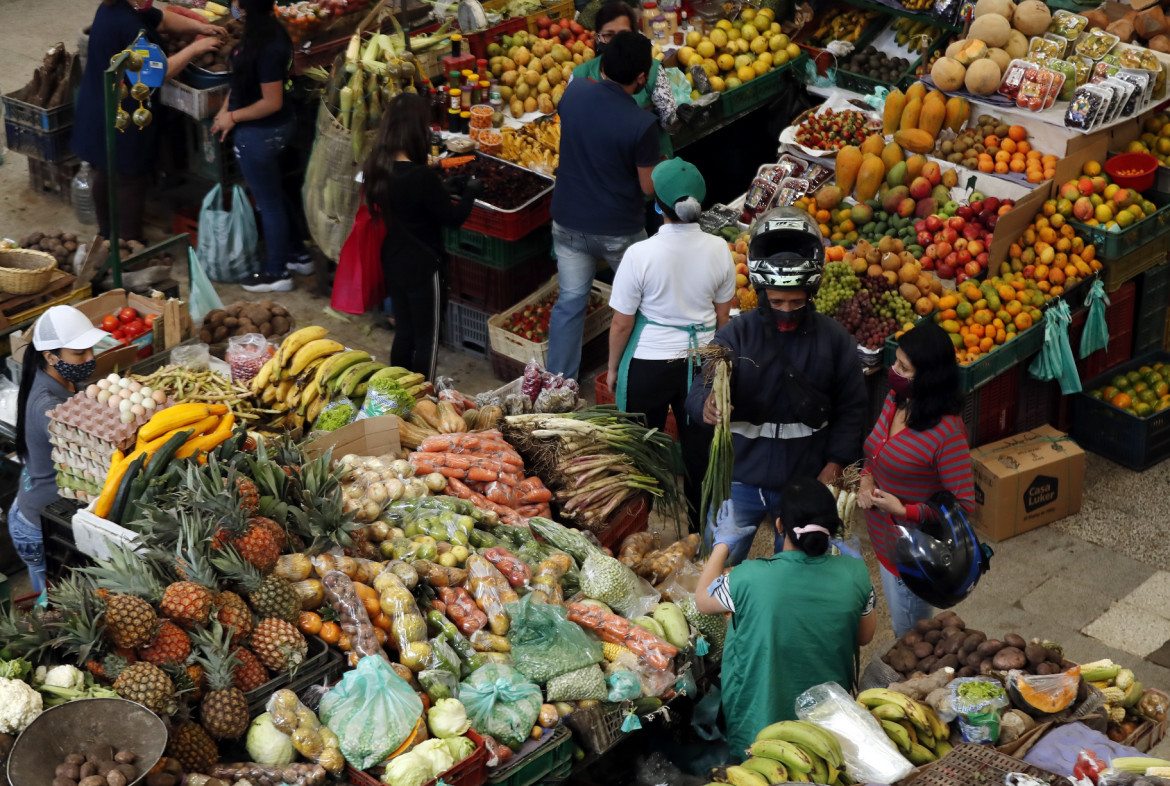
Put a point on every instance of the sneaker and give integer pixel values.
(303, 266)
(267, 282)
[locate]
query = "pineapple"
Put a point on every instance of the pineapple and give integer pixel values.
(188, 602)
(278, 645)
(170, 646)
(234, 614)
(224, 709)
(250, 674)
(145, 684)
(228, 498)
(320, 518)
(269, 596)
(131, 586)
(248, 495)
(193, 747)
(81, 633)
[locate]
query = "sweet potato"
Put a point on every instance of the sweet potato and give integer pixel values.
(1160, 43)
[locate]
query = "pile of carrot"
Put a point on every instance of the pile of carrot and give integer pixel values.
(654, 652)
(483, 468)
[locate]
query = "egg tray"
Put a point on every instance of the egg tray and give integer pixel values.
(67, 479)
(89, 469)
(91, 418)
(84, 445)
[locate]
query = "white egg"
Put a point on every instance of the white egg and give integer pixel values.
(124, 405)
(148, 404)
(103, 396)
(104, 384)
(127, 417)
(135, 398)
(124, 383)
(146, 391)
(113, 379)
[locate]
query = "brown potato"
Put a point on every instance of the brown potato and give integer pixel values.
(75, 758)
(160, 779)
(63, 782)
(93, 780)
(947, 661)
(974, 639)
(910, 638)
(116, 778)
(932, 636)
(1015, 640)
(922, 649)
(89, 768)
(927, 662)
(1009, 658)
(990, 647)
(128, 770)
(925, 626)
(70, 771)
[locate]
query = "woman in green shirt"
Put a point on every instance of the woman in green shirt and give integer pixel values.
(797, 618)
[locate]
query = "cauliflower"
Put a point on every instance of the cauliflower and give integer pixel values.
(65, 676)
(19, 705)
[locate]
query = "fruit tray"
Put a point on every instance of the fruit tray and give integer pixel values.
(1115, 245)
(512, 223)
(1133, 442)
(519, 348)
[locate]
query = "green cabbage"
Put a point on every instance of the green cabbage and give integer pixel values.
(448, 718)
(268, 745)
(407, 770)
(459, 748)
(436, 754)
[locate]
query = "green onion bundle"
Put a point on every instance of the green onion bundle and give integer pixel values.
(717, 480)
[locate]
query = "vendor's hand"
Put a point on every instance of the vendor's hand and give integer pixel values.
(865, 492)
(201, 46)
(888, 503)
(830, 474)
(711, 414)
(611, 380)
(222, 124)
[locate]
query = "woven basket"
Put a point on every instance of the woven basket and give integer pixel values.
(25, 272)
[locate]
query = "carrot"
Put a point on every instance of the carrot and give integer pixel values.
(537, 496)
(501, 494)
(455, 461)
(461, 490)
(482, 475)
(451, 163)
(450, 472)
(424, 467)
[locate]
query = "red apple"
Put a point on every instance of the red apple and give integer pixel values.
(991, 222)
(906, 207)
(960, 277)
(952, 259)
(964, 212)
(972, 269)
(944, 270)
(956, 222)
(932, 252)
(960, 244)
(950, 234)
(977, 206)
(543, 32)
(927, 262)
(944, 249)
(920, 225)
(933, 223)
(972, 231)
(964, 256)
(991, 203)
(924, 239)
(1029, 271)
(981, 258)
(932, 172)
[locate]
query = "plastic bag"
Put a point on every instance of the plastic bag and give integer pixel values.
(491, 591)
(439, 684)
(358, 283)
(227, 238)
(372, 711)
(623, 685)
(500, 702)
(246, 354)
(462, 610)
(578, 685)
(1096, 333)
(681, 584)
(1056, 360)
(408, 628)
(355, 622)
(312, 740)
(204, 299)
(545, 644)
(335, 415)
(515, 571)
(546, 584)
(442, 657)
(609, 581)
(978, 715)
(870, 757)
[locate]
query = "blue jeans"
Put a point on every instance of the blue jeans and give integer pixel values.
(30, 546)
(750, 505)
(577, 255)
(258, 150)
(906, 608)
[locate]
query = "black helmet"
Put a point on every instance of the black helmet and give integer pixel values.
(786, 250)
(942, 560)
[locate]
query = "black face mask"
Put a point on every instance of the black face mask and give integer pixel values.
(76, 372)
(787, 318)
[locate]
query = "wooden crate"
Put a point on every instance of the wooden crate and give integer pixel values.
(17, 309)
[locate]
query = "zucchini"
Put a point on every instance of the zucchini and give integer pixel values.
(470, 659)
(125, 489)
(163, 456)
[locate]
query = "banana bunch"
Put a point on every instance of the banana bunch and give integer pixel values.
(844, 26)
(914, 727)
(790, 752)
(908, 32)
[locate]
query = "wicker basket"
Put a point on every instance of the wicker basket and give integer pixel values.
(25, 272)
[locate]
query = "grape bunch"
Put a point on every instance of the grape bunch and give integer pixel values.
(838, 283)
(863, 321)
(893, 306)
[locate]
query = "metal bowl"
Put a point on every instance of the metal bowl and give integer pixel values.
(68, 728)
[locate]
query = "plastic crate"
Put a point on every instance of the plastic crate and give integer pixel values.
(518, 348)
(29, 115)
(1153, 300)
(321, 664)
(1036, 401)
(550, 755)
(513, 224)
(192, 101)
(1115, 245)
(182, 222)
(50, 146)
(494, 252)
(208, 158)
(633, 516)
(1119, 316)
(990, 412)
(969, 764)
(1149, 733)
(598, 728)
(761, 89)
(54, 180)
(61, 552)
(1117, 272)
(471, 771)
(466, 329)
(492, 289)
(477, 43)
(987, 367)
(1133, 442)
(556, 12)
(593, 355)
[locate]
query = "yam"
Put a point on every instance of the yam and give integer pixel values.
(1015, 640)
(280, 325)
(1009, 658)
(911, 637)
(967, 671)
(1150, 23)
(214, 317)
(219, 335)
(990, 647)
(950, 661)
(257, 314)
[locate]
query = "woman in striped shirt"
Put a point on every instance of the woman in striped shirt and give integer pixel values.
(918, 448)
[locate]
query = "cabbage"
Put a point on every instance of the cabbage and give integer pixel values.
(408, 769)
(435, 752)
(459, 748)
(448, 718)
(268, 745)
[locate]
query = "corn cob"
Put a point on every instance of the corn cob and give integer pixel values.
(614, 652)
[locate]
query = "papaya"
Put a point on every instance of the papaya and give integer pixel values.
(957, 112)
(934, 112)
(892, 114)
(848, 164)
(916, 90)
(915, 140)
(911, 113)
(891, 155)
(869, 177)
(873, 145)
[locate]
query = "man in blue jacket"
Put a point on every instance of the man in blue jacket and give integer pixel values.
(798, 398)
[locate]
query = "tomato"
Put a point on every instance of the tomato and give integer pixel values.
(110, 323)
(150, 321)
(127, 315)
(139, 324)
(118, 334)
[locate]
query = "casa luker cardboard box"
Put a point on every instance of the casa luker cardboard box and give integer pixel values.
(1026, 481)
(377, 436)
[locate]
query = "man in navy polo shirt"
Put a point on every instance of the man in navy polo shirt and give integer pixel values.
(609, 146)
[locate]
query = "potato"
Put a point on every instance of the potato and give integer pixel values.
(220, 334)
(925, 626)
(93, 780)
(1009, 658)
(922, 649)
(278, 311)
(990, 647)
(966, 671)
(230, 322)
(973, 660)
(950, 661)
(63, 782)
(1048, 667)
(902, 660)
(910, 638)
(953, 645)
(70, 771)
(160, 779)
(1036, 654)
(258, 314)
(266, 329)
(205, 336)
(1015, 640)
(127, 769)
(104, 767)
(87, 769)
(932, 636)
(280, 324)
(973, 640)
(116, 778)
(214, 317)
(75, 758)
(985, 667)
(927, 662)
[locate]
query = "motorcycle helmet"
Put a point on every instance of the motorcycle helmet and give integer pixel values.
(942, 560)
(785, 251)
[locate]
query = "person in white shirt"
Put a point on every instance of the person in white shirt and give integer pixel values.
(670, 294)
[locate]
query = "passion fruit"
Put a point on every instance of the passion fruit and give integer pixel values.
(142, 117)
(140, 92)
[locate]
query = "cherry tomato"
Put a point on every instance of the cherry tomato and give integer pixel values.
(110, 323)
(127, 315)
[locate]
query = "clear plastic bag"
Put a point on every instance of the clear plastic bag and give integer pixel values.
(515, 571)
(246, 354)
(312, 740)
(869, 754)
(355, 622)
(502, 703)
(372, 711)
(578, 685)
(439, 684)
(978, 716)
(609, 581)
(681, 584)
(408, 629)
(491, 591)
(462, 610)
(623, 685)
(545, 644)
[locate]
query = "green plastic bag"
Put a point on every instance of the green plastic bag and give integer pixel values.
(545, 644)
(1096, 335)
(204, 299)
(500, 702)
(372, 711)
(1056, 359)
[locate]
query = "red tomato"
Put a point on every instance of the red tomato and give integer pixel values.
(139, 324)
(118, 334)
(150, 321)
(110, 323)
(127, 315)
(133, 330)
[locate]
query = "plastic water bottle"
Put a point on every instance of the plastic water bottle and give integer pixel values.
(83, 204)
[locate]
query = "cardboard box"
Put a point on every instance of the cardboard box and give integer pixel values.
(1026, 481)
(167, 332)
(369, 437)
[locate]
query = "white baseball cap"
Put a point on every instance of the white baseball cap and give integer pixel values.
(65, 326)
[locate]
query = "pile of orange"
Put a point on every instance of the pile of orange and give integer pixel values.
(1051, 253)
(981, 317)
(1013, 153)
(1141, 392)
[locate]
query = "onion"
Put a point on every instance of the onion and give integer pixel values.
(377, 493)
(435, 482)
(379, 530)
(91, 391)
(375, 465)
(350, 461)
(371, 510)
(402, 468)
(395, 488)
(353, 491)
(415, 488)
(349, 506)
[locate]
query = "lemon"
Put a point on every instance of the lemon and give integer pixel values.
(693, 38)
(725, 62)
(767, 12)
(737, 24)
(748, 14)
(761, 67)
(718, 38)
(723, 24)
(710, 67)
(741, 62)
(733, 82)
(1125, 218)
(706, 48)
(734, 35)
(766, 57)
(746, 73)
(759, 45)
(774, 28)
(742, 46)
(684, 54)
(694, 60)
(777, 42)
(793, 51)
(780, 58)
(749, 31)
(696, 95)
(717, 84)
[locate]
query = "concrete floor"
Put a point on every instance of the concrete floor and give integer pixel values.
(1095, 582)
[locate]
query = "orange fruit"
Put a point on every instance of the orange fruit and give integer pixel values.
(1017, 133)
(309, 623)
(1121, 400)
(330, 632)
(1023, 321)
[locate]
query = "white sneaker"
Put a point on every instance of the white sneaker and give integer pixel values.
(266, 282)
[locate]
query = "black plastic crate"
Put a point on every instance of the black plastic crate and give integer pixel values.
(207, 157)
(989, 412)
(1133, 442)
(1153, 299)
(50, 146)
(466, 329)
(322, 664)
(492, 289)
(61, 552)
(1036, 401)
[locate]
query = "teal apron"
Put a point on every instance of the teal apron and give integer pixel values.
(591, 69)
(640, 323)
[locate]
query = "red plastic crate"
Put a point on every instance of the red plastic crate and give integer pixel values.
(492, 289)
(477, 43)
(472, 771)
(1119, 315)
(989, 412)
(510, 226)
(1036, 401)
(182, 223)
(602, 395)
(634, 516)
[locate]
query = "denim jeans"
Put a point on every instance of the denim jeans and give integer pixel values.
(30, 546)
(906, 608)
(749, 505)
(258, 149)
(577, 255)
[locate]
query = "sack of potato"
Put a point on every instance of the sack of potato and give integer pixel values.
(61, 245)
(269, 319)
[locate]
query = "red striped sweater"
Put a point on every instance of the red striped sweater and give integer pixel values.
(913, 466)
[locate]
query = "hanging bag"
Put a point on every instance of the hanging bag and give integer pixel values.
(359, 284)
(228, 238)
(1096, 333)
(204, 299)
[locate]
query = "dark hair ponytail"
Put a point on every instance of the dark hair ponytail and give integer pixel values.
(807, 502)
(34, 362)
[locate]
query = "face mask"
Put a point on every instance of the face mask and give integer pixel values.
(899, 384)
(237, 13)
(76, 372)
(787, 318)
(145, 5)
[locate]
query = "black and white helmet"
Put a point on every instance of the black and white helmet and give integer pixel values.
(785, 251)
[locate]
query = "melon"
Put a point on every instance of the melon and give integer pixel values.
(956, 47)
(982, 77)
(991, 29)
(1031, 17)
(1017, 45)
(1000, 58)
(1003, 8)
(974, 50)
(948, 73)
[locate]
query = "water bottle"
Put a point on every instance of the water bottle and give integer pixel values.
(83, 204)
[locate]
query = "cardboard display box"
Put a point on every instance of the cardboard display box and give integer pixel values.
(168, 327)
(369, 437)
(1026, 481)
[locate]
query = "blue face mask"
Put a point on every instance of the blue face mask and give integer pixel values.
(236, 12)
(658, 208)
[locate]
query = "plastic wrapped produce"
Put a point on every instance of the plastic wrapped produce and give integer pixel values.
(546, 644)
(578, 685)
(491, 592)
(870, 757)
(311, 739)
(408, 629)
(609, 581)
(502, 703)
(355, 622)
(372, 711)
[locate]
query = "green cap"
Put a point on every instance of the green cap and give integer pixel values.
(675, 179)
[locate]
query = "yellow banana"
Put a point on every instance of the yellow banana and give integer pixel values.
(260, 381)
(909, 727)
(314, 350)
(875, 697)
(771, 769)
(742, 776)
(819, 772)
(938, 729)
(808, 736)
(309, 395)
(919, 755)
(942, 748)
(897, 735)
(315, 408)
(889, 712)
(292, 344)
(793, 758)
